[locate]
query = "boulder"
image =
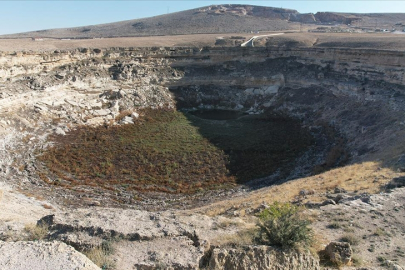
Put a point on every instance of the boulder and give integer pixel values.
(328, 201)
(272, 89)
(42, 256)
(95, 121)
(102, 112)
(127, 120)
(340, 190)
(392, 265)
(305, 192)
(60, 75)
(59, 131)
(396, 183)
(339, 252)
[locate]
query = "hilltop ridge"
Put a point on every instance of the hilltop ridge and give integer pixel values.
(217, 19)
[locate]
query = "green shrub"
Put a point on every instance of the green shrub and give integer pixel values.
(283, 224)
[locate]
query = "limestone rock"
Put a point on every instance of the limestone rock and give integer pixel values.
(272, 89)
(340, 190)
(339, 253)
(127, 120)
(340, 197)
(392, 265)
(59, 131)
(160, 253)
(249, 91)
(129, 224)
(42, 256)
(101, 112)
(328, 201)
(261, 257)
(60, 75)
(95, 121)
(305, 192)
(147, 239)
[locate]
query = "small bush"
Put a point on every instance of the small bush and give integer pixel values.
(357, 261)
(351, 239)
(335, 225)
(381, 259)
(35, 232)
(107, 247)
(99, 255)
(381, 232)
(240, 238)
(282, 224)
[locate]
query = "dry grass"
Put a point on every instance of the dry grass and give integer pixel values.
(240, 238)
(35, 232)
(100, 255)
(364, 177)
(30, 194)
(99, 258)
(47, 206)
(351, 239)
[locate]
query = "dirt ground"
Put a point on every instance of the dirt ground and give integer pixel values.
(381, 41)
(158, 41)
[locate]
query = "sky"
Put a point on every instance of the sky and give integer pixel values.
(22, 16)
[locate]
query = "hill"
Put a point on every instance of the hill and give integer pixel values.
(219, 19)
(211, 19)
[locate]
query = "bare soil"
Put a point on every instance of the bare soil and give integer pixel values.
(378, 41)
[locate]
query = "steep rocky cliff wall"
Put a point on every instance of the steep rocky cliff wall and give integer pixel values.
(357, 92)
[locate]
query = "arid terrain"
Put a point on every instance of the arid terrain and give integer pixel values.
(145, 151)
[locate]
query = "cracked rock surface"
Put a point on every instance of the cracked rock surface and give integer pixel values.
(42, 256)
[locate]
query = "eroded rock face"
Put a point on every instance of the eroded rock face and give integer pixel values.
(42, 256)
(261, 257)
(83, 87)
(142, 239)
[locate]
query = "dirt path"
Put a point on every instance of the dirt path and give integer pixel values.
(250, 42)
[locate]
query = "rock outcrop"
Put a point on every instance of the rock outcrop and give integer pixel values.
(42, 256)
(141, 239)
(339, 253)
(261, 258)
